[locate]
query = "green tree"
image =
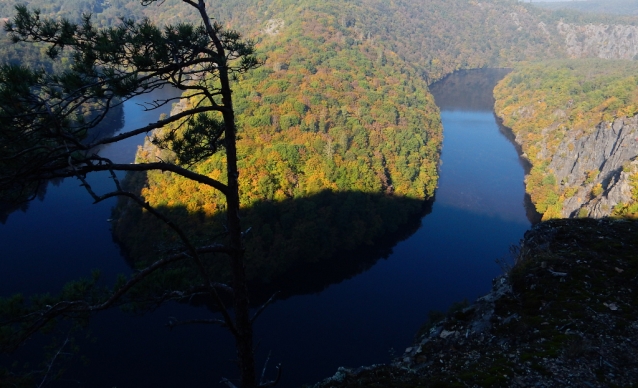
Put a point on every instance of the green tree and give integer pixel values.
(45, 125)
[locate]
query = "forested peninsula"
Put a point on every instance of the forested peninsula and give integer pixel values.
(338, 146)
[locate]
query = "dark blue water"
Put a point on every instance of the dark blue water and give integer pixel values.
(478, 213)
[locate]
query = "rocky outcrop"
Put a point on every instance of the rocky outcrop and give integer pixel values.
(618, 191)
(273, 26)
(599, 40)
(592, 164)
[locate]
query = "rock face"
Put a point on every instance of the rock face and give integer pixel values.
(594, 164)
(273, 26)
(599, 40)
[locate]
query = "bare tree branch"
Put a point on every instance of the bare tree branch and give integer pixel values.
(194, 252)
(160, 166)
(51, 362)
(225, 380)
(150, 127)
(275, 381)
(263, 307)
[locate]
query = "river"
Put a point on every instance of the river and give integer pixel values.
(358, 319)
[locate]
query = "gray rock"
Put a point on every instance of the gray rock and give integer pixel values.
(618, 191)
(609, 147)
(599, 40)
(340, 375)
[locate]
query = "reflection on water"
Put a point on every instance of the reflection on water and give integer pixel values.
(480, 170)
(479, 173)
(334, 315)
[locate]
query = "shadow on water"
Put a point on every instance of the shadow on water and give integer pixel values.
(532, 215)
(294, 247)
(310, 277)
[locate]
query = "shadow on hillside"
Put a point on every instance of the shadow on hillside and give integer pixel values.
(294, 247)
(305, 273)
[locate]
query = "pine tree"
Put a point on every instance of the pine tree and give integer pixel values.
(45, 133)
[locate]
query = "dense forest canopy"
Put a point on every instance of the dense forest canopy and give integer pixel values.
(345, 118)
(433, 37)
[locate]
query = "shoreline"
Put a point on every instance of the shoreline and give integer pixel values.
(563, 315)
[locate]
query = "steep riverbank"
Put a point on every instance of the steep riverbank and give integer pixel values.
(575, 122)
(610, 150)
(565, 315)
(594, 170)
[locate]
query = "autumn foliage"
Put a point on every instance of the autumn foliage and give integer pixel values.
(334, 131)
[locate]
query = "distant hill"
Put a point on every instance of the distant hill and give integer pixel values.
(619, 7)
(434, 37)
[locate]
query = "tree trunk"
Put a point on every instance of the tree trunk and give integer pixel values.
(243, 324)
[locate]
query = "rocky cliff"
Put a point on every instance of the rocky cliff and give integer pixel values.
(577, 124)
(598, 165)
(600, 40)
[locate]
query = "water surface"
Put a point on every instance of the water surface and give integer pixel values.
(360, 318)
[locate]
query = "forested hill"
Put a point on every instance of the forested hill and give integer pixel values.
(341, 103)
(435, 37)
(339, 144)
(340, 106)
(619, 7)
